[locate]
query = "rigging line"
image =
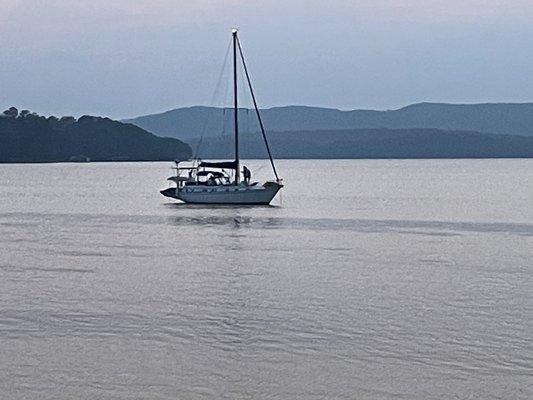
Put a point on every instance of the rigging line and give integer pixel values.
(225, 99)
(225, 113)
(257, 111)
(220, 76)
(244, 104)
(225, 109)
(213, 97)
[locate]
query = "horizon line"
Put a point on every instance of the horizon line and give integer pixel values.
(334, 108)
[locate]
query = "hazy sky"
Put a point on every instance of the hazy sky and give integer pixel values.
(125, 58)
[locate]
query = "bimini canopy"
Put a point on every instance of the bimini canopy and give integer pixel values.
(222, 164)
(215, 174)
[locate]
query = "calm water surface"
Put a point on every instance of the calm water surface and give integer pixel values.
(372, 280)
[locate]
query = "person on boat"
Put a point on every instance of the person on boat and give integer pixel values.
(246, 174)
(226, 177)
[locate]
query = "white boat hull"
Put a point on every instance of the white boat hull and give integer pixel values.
(225, 194)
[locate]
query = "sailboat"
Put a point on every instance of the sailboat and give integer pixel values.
(219, 182)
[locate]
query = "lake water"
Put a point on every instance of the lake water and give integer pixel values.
(382, 279)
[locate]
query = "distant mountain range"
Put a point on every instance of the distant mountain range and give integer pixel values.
(496, 118)
(371, 143)
(28, 137)
(419, 131)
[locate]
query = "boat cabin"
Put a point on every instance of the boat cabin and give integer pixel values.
(204, 174)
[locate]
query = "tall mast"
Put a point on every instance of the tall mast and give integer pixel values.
(235, 107)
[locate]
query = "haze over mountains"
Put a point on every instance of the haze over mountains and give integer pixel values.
(497, 118)
(425, 130)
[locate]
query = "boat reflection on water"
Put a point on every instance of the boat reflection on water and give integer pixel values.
(235, 221)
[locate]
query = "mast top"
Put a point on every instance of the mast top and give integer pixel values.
(234, 31)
